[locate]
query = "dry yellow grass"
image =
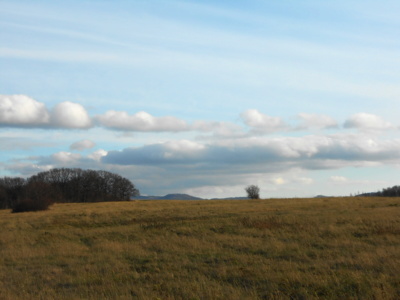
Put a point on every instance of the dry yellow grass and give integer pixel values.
(330, 248)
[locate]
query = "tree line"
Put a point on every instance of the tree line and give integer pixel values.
(65, 185)
(393, 191)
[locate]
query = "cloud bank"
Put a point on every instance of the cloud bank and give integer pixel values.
(202, 156)
(308, 152)
(225, 166)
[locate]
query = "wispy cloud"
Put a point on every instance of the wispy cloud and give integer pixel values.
(61, 56)
(314, 121)
(82, 145)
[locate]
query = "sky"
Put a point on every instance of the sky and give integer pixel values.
(204, 97)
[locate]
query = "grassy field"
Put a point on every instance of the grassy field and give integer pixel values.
(328, 248)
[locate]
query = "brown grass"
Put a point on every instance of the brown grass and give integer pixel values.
(332, 248)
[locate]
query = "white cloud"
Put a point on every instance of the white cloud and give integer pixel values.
(21, 110)
(309, 121)
(365, 121)
(141, 121)
(338, 179)
(70, 115)
(183, 146)
(305, 152)
(97, 155)
(275, 164)
(65, 157)
(82, 145)
(261, 122)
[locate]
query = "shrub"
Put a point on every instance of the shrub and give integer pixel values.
(38, 196)
(32, 205)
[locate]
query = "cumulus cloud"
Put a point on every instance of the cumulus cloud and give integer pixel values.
(97, 155)
(70, 115)
(74, 159)
(276, 164)
(310, 121)
(365, 121)
(280, 163)
(141, 121)
(82, 145)
(261, 122)
(21, 110)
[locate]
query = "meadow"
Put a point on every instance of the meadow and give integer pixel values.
(322, 248)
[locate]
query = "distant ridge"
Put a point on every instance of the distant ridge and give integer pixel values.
(177, 196)
(231, 198)
(181, 197)
(168, 197)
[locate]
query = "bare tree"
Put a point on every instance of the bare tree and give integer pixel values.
(253, 192)
(37, 196)
(11, 190)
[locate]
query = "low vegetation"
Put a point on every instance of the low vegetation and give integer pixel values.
(326, 248)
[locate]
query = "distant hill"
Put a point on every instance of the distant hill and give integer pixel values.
(180, 197)
(168, 197)
(231, 198)
(183, 197)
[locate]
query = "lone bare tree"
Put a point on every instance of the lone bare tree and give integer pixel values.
(253, 192)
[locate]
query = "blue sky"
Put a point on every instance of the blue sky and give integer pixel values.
(204, 97)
